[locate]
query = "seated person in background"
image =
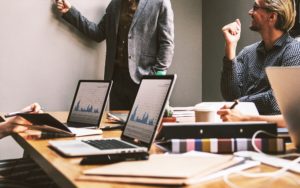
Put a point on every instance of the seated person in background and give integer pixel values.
(227, 114)
(243, 76)
(21, 172)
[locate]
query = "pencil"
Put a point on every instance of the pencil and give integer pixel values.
(236, 102)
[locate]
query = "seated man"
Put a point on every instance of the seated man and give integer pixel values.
(21, 172)
(243, 76)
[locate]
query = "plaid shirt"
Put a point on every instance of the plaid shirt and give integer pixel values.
(244, 77)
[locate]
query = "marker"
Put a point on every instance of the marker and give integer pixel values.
(236, 102)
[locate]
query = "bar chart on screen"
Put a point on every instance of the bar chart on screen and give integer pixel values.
(88, 102)
(145, 119)
(146, 109)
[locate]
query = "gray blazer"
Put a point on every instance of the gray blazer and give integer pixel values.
(150, 38)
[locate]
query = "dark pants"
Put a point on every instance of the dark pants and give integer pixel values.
(123, 91)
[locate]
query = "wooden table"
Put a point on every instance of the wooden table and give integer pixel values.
(64, 170)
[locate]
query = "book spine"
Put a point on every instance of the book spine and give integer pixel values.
(35, 135)
(48, 135)
(227, 145)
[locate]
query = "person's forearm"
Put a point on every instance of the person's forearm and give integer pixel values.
(230, 51)
(265, 102)
(92, 30)
(278, 119)
(3, 129)
(230, 82)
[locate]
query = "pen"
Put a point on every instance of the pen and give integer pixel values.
(112, 127)
(115, 118)
(236, 102)
(11, 114)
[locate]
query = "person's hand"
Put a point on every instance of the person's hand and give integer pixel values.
(227, 114)
(63, 5)
(232, 34)
(34, 108)
(13, 125)
(17, 124)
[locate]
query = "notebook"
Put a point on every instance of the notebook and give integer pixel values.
(162, 170)
(140, 127)
(285, 84)
(53, 128)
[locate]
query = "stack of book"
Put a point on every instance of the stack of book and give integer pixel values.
(224, 145)
(219, 137)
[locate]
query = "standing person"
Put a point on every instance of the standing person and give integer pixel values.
(139, 37)
(243, 76)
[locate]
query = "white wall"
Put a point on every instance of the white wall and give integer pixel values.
(42, 58)
(187, 62)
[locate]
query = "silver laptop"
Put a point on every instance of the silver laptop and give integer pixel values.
(286, 87)
(89, 103)
(140, 127)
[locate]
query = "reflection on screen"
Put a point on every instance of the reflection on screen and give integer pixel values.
(88, 103)
(146, 109)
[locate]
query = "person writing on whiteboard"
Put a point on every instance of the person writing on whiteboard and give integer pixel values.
(243, 76)
(139, 37)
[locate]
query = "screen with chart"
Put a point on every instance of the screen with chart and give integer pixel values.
(88, 102)
(145, 113)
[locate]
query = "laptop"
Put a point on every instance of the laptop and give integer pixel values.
(86, 111)
(140, 127)
(88, 104)
(286, 87)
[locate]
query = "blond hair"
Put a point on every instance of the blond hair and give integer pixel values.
(286, 11)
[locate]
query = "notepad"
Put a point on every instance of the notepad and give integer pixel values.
(170, 169)
(248, 108)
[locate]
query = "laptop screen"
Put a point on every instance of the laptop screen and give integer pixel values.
(285, 85)
(148, 108)
(89, 102)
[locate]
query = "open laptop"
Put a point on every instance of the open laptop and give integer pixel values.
(140, 127)
(89, 103)
(286, 87)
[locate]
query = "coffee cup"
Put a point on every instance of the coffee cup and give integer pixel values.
(204, 114)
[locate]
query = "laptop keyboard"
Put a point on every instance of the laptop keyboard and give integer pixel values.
(108, 144)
